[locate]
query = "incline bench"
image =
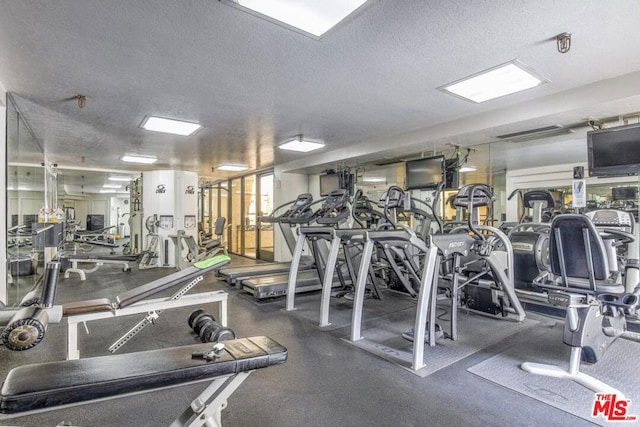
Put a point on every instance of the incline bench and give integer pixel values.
(41, 387)
(131, 302)
(25, 326)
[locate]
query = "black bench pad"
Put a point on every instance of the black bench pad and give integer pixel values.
(70, 381)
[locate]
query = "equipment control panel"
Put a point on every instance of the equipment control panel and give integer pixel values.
(612, 218)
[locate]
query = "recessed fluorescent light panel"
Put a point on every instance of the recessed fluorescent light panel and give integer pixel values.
(467, 169)
(120, 178)
(111, 186)
(301, 145)
(495, 82)
(145, 160)
(373, 179)
(314, 17)
(232, 167)
(175, 127)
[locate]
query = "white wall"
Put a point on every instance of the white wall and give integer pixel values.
(287, 186)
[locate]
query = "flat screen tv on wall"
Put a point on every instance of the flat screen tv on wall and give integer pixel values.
(424, 174)
(614, 151)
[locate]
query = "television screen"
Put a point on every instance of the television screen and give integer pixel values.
(95, 222)
(451, 175)
(329, 183)
(624, 193)
(423, 174)
(28, 221)
(614, 151)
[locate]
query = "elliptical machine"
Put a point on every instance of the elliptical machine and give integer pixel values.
(530, 240)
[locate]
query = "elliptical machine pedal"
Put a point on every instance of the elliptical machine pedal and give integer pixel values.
(410, 333)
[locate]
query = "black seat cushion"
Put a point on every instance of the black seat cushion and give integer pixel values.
(63, 382)
(571, 228)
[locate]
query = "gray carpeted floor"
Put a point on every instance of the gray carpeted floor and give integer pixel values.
(383, 337)
(619, 368)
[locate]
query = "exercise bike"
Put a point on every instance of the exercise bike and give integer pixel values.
(582, 281)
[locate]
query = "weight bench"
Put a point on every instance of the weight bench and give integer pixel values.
(25, 327)
(46, 386)
(131, 302)
(98, 261)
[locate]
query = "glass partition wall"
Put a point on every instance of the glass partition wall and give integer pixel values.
(243, 202)
(24, 196)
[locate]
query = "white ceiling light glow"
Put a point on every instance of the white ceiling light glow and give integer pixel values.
(145, 160)
(111, 186)
(175, 127)
(314, 17)
(464, 169)
(119, 178)
(301, 145)
(373, 179)
(230, 167)
(495, 82)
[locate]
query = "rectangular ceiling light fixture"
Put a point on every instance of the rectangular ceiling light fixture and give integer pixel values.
(301, 145)
(314, 17)
(495, 82)
(145, 160)
(120, 178)
(111, 186)
(464, 169)
(230, 167)
(175, 127)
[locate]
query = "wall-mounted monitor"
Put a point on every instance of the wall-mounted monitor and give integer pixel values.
(28, 221)
(615, 151)
(451, 174)
(329, 183)
(95, 222)
(424, 174)
(624, 193)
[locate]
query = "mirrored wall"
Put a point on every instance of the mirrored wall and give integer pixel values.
(25, 195)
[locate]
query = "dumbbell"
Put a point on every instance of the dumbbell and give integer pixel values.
(207, 328)
(214, 332)
(26, 329)
(193, 315)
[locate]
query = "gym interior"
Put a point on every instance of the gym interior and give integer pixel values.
(277, 213)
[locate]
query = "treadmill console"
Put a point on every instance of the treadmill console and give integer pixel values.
(612, 218)
(333, 208)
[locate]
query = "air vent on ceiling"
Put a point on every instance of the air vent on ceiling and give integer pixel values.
(386, 162)
(539, 133)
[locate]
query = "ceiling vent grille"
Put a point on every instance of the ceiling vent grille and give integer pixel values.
(533, 134)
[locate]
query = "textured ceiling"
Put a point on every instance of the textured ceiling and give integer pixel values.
(367, 88)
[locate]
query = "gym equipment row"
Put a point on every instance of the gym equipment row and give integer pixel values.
(474, 267)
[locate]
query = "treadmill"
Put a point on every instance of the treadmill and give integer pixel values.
(333, 213)
(297, 212)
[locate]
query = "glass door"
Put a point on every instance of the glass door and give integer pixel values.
(265, 206)
(249, 222)
(235, 216)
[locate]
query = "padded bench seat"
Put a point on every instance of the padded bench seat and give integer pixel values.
(51, 384)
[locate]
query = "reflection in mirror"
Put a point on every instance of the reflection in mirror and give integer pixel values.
(24, 198)
(79, 195)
